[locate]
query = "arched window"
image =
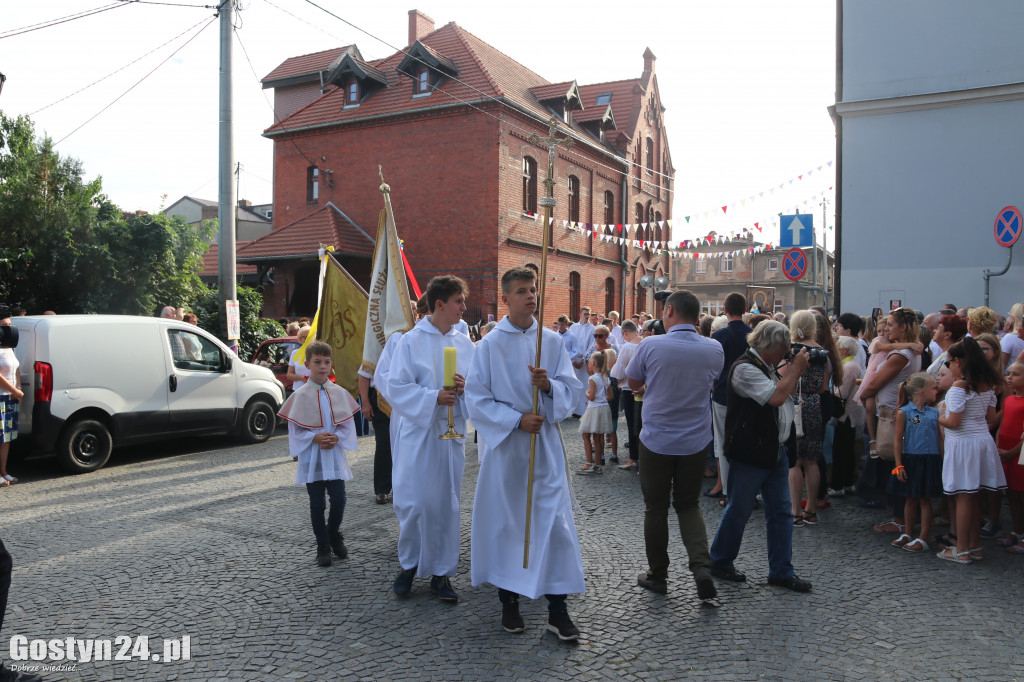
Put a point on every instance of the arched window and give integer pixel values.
(574, 295)
(650, 212)
(609, 207)
(529, 185)
(574, 199)
(639, 215)
(609, 294)
(650, 156)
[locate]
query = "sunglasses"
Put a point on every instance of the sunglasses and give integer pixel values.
(946, 364)
(600, 336)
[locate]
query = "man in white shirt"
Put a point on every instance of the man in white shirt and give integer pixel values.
(616, 328)
(630, 408)
(584, 333)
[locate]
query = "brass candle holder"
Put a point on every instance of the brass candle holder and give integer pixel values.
(451, 433)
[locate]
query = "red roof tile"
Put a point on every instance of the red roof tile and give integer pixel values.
(211, 266)
(303, 237)
(305, 64)
(484, 72)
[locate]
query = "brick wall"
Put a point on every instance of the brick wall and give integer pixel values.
(456, 182)
(291, 98)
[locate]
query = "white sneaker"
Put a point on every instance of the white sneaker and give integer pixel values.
(836, 493)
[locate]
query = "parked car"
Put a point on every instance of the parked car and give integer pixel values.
(274, 354)
(94, 382)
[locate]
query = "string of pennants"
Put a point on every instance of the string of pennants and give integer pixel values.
(723, 210)
(638, 235)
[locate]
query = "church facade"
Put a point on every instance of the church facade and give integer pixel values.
(449, 120)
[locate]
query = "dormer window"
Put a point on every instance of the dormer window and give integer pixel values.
(356, 79)
(426, 68)
(601, 100)
(561, 99)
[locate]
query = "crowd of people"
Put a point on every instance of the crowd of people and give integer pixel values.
(918, 414)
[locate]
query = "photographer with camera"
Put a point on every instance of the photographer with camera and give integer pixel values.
(810, 425)
(678, 369)
(758, 421)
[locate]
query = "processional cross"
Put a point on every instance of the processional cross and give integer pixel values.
(548, 202)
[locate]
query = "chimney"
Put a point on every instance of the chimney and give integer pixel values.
(649, 59)
(244, 203)
(419, 25)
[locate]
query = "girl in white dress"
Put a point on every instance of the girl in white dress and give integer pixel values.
(597, 420)
(971, 462)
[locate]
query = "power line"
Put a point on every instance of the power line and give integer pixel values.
(60, 20)
(169, 4)
(298, 18)
(264, 92)
(118, 70)
(207, 24)
(497, 101)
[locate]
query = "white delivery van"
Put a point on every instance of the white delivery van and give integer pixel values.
(93, 382)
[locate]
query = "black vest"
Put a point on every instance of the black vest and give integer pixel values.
(751, 429)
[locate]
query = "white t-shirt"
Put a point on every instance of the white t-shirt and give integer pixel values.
(8, 367)
(1013, 345)
(601, 384)
(298, 368)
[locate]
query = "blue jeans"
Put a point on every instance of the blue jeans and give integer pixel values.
(335, 490)
(744, 483)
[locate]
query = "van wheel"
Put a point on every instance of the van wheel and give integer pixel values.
(258, 422)
(84, 446)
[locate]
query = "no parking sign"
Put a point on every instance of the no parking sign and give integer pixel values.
(794, 264)
(1008, 226)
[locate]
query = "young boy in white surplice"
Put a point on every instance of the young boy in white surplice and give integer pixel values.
(320, 429)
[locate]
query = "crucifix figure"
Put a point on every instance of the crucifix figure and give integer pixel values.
(548, 202)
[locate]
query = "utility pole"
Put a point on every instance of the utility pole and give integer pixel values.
(226, 194)
(238, 181)
(824, 249)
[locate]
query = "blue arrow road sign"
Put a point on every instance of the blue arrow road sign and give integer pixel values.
(796, 230)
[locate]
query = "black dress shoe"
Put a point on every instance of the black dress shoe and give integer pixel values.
(403, 583)
(705, 586)
(656, 585)
(323, 555)
(791, 583)
(730, 574)
(338, 546)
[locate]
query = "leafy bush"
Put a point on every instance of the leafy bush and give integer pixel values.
(255, 330)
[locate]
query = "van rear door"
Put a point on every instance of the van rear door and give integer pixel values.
(200, 385)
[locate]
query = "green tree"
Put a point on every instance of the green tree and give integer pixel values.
(66, 247)
(48, 216)
(206, 306)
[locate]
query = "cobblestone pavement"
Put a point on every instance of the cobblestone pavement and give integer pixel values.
(211, 540)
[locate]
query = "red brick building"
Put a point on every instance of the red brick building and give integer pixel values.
(449, 119)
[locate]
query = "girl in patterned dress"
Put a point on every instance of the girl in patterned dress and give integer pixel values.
(972, 462)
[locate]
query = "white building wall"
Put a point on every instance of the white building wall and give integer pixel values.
(900, 47)
(921, 188)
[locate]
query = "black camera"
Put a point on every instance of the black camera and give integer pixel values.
(815, 354)
(8, 334)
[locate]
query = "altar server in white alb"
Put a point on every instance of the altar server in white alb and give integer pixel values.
(427, 474)
(320, 430)
(499, 394)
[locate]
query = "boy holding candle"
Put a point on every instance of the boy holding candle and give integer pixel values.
(500, 401)
(320, 429)
(425, 378)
